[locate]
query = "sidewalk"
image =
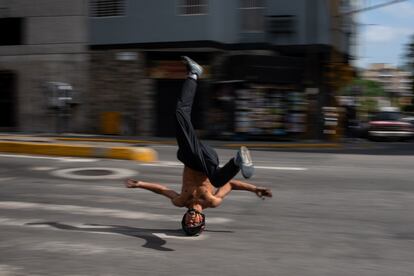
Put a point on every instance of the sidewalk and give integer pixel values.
(116, 147)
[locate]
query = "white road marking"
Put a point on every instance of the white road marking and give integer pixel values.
(115, 173)
(81, 248)
(6, 178)
(42, 168)
(9, 270)
(71, 248)
(172, 164)
(4, 221)
(183, 237)
(281, 168)
(91, 187)
(62, 159)
(102, 212)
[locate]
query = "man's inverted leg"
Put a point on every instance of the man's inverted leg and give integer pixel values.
(189, 148)
(191, 151)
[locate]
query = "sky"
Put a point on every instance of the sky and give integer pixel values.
(384, 32)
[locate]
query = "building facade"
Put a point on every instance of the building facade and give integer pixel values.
(271, 66)
(394, 81)
(43, 41)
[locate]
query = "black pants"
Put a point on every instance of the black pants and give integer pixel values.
(191, 151)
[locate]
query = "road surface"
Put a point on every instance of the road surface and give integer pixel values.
(333, 213)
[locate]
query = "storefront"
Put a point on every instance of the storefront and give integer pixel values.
(262, 98)
(168, 72)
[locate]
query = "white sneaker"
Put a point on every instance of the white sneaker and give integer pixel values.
(244, 161)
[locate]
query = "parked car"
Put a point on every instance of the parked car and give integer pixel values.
(389, 125)
(408, 118)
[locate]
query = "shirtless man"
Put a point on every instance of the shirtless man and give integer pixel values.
(202, 174)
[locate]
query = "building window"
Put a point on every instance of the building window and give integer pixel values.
(252, 15)
(107, 8)
(192, 7)
(11, 30)
(281, 24)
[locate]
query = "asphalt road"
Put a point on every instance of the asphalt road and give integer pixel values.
(346, 212)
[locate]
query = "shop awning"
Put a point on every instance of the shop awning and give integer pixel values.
(264, 69)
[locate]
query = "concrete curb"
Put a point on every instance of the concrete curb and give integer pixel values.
(285, 146)
(106, 140)
(263, 145)
(129, 153)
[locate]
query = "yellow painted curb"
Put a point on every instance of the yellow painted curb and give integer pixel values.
(137, 154)
(46, 149)
(129, 153)
(126, 141)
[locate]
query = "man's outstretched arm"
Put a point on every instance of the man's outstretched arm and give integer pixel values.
(156, 188)
(261, 192)
(223, 191)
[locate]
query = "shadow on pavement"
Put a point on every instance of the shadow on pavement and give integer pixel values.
(152, 241)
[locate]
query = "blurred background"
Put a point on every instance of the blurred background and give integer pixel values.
(283, 70)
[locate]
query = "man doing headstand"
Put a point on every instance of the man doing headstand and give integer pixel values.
(202, 173)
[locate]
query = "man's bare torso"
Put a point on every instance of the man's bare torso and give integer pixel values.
(196, 188)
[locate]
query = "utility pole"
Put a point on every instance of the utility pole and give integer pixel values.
(371, 7)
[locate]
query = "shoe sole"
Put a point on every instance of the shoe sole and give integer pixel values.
(195, 64)
(246, 157)
(247, 168)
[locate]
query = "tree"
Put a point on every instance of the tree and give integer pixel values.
(410, 65)
(364, 88)
(410, 53)
(410, 60)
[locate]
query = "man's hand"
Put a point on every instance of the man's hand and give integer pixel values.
(244, 186)
(131, 183)
(263, 192)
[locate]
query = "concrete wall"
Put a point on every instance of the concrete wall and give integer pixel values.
(120, 86)
(32, 72)
(54, 48)
(51, 26)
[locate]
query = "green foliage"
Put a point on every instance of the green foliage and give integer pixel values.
(364, 88)
(409, 57)
(368, 105)
(410, 54)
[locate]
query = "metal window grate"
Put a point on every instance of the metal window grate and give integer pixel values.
(251, 4)
(107, 8)
(252, 15)
(192, 7)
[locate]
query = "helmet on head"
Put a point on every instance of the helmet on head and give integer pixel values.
(193, 230)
